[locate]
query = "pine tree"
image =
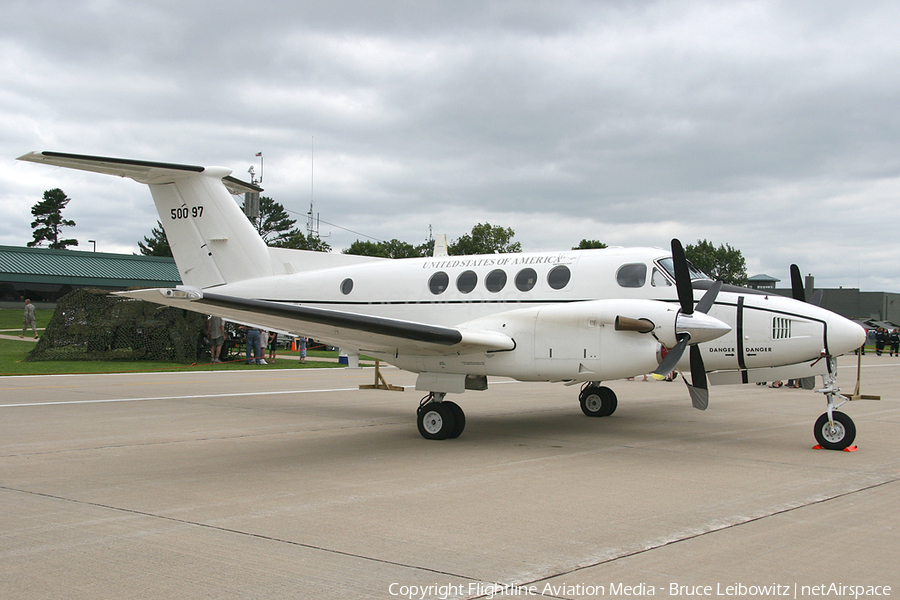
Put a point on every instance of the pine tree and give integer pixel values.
(273, 224)
(157, 244)
(48, 221)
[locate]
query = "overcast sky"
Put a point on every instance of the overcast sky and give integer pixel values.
(770, 126)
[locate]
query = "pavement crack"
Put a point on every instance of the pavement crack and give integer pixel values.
(700, 534)
(258, 536)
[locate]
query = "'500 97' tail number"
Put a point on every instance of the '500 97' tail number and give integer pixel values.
(184, 212)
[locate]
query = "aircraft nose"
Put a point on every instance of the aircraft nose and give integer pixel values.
(844, 335)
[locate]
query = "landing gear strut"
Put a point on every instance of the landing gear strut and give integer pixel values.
(834, 430)
(597, 400)
(439, 419)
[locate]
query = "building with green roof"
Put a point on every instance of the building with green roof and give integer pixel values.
(45, 275)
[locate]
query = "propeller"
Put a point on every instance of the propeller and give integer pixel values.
(691, 322)
(798, 291)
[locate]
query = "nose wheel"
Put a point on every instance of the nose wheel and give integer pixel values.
(836, 433)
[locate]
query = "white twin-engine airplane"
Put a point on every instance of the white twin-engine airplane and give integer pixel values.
(573, 316)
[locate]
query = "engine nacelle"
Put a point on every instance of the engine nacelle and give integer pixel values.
(580, 341)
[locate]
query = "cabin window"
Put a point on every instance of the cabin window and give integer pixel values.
(658, 279)
(466, 281)
(632, 276)
(346, 286)
(559, 276)
(495, 281)
(525, 280)
(438, 282)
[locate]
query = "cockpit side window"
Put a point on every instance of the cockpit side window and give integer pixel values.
(658, 279)
(669, 266)
(632, 275)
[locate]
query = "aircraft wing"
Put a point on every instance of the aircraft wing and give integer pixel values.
(141, 171)
(345, 329)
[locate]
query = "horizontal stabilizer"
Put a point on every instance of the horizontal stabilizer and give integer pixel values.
(141, 171)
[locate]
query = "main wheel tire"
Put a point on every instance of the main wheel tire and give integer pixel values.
(598, 401)
(459, 419)
(840, 437)
(435, 421)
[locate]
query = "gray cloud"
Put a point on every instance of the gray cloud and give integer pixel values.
(770, 126)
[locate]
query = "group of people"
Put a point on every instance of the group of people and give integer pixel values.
(883, 338)
(215, 332)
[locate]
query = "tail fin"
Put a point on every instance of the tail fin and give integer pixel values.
(212, 241)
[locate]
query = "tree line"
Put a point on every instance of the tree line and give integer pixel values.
(278, 229)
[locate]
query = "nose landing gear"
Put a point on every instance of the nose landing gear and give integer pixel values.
(834, 430)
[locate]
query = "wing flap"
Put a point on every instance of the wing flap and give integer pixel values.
(349, 330)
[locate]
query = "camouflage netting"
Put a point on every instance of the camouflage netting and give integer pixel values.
(91, 324)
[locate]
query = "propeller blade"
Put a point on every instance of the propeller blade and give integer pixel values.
(682, 278)
(698, 371)
(699, 397)
(699, 386)
(797, 290)
(816, 299)
(674, 355)
(708, 298)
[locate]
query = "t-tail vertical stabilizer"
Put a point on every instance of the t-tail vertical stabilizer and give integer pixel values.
(212, 241)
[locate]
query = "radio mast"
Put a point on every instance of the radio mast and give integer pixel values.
(312, 219)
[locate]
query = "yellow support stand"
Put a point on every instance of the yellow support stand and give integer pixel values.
(380, 383)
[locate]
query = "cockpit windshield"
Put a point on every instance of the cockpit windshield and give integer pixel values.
(669, 265)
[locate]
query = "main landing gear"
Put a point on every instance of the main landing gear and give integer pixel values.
(439, 419)
(597, 400)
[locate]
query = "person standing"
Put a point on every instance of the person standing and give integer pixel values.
(28, 319)
(215, 331)
(881, 336)
(894, 338)
(301, 346)
(253, 344)
(273, 345)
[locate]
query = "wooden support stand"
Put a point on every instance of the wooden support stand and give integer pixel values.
(380, 383)
(856, 395)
